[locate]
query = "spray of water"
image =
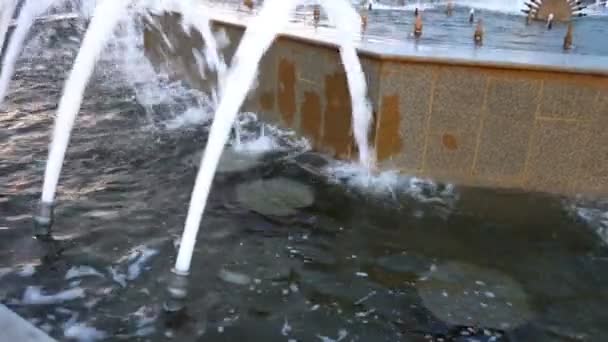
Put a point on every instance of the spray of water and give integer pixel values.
(7, 8)
(105, 18)
(29, 12)
(195, 16)
(348, 23)
(260, 33)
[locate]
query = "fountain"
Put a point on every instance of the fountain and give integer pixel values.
(105, 18)
(232, 87)
(257, 39)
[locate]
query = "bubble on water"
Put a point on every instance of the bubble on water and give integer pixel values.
(277, 196)
(33, 295)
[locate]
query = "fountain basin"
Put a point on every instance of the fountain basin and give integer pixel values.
(508, 119)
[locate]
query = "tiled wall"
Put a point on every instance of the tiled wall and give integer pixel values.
(475, 125)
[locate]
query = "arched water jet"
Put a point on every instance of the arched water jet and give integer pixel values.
(27, 16)
(258, 37)
(348, 23)
(105, 18)
(7, 8)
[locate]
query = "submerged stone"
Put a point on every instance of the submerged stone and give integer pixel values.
(465, 294)
(277, 196)
(230, 161)
(233, 161)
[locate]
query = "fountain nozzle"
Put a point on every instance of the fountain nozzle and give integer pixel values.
(43, 219)
(177, 292)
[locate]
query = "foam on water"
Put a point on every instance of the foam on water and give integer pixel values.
(596, 216)
(34, 295)
(27, 270)
(80, 331)
(392, 183)
(138, 259)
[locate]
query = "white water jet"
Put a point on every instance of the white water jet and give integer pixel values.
(348, 23)
(258, 37)
(27, 16)
(105, 18)
(7, 8)
(506, 6)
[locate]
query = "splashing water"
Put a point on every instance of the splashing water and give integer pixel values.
(193, 16)
(7, 8)
(260, 33)
(105, 18)
(29, 12)
(348, 22)
(506, 6)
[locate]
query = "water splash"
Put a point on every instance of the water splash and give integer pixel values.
(260, 33)
(348, 23)
(105, 18)
(505, 6)
(27, 16)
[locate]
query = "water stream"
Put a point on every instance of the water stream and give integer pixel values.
(7, 8)
(29, 12)
(258, 37)
(105, 18)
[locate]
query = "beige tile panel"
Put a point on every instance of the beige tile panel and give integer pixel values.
(507, 125)
(555, 154)
(406, 88)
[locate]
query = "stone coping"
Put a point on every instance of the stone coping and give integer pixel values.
(16, 329)
(411, 52)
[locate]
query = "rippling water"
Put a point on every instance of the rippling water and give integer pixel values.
(404, 260)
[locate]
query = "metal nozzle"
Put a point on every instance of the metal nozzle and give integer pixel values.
(177, 292)
(43, 219)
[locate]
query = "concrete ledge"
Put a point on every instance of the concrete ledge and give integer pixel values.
(15, 328)
(483, 120)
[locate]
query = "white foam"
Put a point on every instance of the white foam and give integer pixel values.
(84, 333)
(119, 278)
(286, 329)
(389, 182)
(33, 296)
(596, 217)
(139, 258)
(27, 270)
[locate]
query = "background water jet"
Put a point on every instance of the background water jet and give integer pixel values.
(27, 16)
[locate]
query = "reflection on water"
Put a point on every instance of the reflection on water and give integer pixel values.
(331, 261)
